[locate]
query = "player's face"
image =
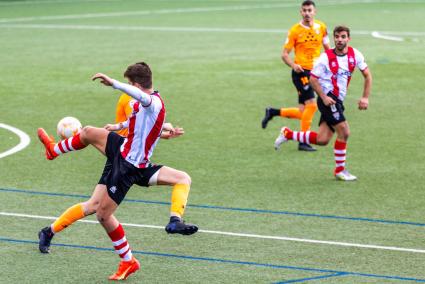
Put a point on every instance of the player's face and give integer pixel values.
(341, 40)
(308, 12)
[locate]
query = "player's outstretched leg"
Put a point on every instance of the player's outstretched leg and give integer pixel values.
(48, 142)
(45, 237)
(64, 146)
(281, 138)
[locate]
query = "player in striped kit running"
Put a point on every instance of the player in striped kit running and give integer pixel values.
(330, 78)
(128, 163)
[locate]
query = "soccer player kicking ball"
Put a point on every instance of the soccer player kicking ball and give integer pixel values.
(128, 163)
(330, 77)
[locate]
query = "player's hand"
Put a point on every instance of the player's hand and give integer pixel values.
(103, 79)
(363, 103)
(176, 132)
(328, 101)
(112, 127)
(297, 68)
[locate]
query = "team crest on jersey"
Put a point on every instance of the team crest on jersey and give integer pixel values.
(351, 60)
(333, 64)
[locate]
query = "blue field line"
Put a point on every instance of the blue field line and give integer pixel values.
(250, 210)
(236, 262)
(312, 278)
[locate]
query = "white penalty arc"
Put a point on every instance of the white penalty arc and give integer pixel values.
(23, 143)
(387, 37)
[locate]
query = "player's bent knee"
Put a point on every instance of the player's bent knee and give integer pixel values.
(90, 206)
(184, 178)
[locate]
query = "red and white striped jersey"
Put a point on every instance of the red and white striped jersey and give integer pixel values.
(144, 125)
(336, 78)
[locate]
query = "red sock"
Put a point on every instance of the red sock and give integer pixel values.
(121, 246)
(71, 144)
(308, 137)
(340, 150)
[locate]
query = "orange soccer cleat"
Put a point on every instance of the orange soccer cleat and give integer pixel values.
(48, 142)
(125, 269)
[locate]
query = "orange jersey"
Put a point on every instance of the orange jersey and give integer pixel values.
(123, 112)
(307, 42)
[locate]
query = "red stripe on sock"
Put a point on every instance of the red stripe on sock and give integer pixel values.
(339, 169)
(60, 147)
(118, 247)
(76, 142)
(67, 145)
(117, 234)
(123, 254)
(313, 137)
(340, 145)
(288, 133)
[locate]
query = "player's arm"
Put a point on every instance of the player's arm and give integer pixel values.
(326, 46)
(286, 58)
(132, 91)
(325, 40)
(364, 100)
(168, 131)
(314, 82)
(117, 126)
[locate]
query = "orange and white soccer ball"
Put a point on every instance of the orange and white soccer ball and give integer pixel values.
(68, 127)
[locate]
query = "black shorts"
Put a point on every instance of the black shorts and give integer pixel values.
(332, 115)
(118, 174)
(302, 83)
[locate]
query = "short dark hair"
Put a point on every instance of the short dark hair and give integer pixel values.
(140, 73)
(308, 3)
(339, 29)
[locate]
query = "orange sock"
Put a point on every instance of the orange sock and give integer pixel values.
(68, 217)
(291, 113)
(307, 116)
(179, 199)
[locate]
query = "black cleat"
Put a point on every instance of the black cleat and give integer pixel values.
(45, 236)
(267, 117)
(177, 226)
(306, 147)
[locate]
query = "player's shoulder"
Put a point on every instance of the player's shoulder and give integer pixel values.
(295, 28)
(323, 58)
(357, 53)
(319, 23)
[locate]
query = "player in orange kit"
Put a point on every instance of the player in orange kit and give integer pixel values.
(306, 37)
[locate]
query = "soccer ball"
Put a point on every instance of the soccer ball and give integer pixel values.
(68, 127)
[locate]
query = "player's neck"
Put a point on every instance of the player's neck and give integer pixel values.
(147, 91)
(307, 24)
(341, 52)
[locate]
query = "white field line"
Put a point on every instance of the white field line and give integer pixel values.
(386, 34)
(24, 140)
(180, 10)
(239, 235)
(387, 37)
